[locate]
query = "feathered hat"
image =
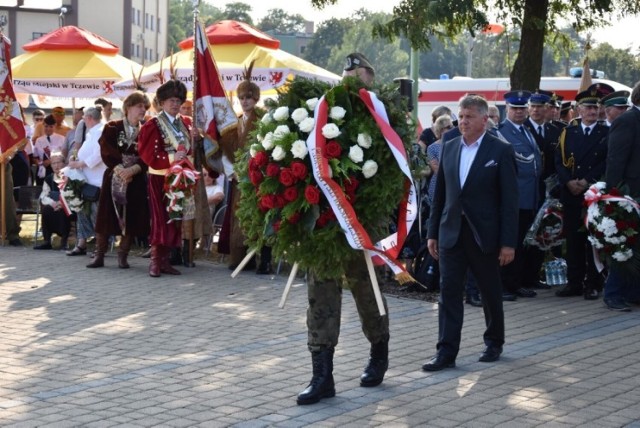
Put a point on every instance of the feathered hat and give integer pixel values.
(247, 87)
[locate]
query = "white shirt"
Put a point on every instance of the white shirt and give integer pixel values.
(467, 155)
(89, 153)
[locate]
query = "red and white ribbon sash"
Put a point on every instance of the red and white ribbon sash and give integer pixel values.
(358, 238)
(63, 201)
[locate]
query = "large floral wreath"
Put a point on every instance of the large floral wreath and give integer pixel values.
(281, 203)
(612, 222)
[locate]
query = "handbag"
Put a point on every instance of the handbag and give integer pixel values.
(90, 192)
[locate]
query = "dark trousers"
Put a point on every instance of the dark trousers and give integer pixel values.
(454, 262)
(524, 270)
(579, 255)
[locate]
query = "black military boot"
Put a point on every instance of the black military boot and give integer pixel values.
(321, 385)
(377, 366)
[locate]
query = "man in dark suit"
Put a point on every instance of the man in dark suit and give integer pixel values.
(580, 162)
(623, 167)
(545, 133)
(473, 224)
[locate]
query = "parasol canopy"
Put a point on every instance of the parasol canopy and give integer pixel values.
(234, 45)
(71, 62)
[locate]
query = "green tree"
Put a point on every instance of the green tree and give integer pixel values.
(328, 36)
(181, 20)
(618, 64)
(419, 19)
(280, 22)
(238, 11)
(388, 59)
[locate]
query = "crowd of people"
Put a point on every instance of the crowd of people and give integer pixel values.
(487, 186)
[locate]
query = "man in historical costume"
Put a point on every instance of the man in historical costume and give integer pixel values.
(473, 225)
(580, 162)
(519, 277)
(231, 237)
(162, 142)
(123, 208)
(623, 167)
(325, 302)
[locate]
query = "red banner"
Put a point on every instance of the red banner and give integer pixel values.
(12, 132)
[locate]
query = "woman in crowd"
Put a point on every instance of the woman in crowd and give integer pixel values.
(54, 219)
(123, 208)
(89, 161)
(164, 140)
(215, 190)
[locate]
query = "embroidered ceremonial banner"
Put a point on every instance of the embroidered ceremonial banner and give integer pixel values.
(214, 113)
(12, 132)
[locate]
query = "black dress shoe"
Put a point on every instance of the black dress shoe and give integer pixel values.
(617, 305)
(569, 290)
(438, 363)
(525, 292)
(490, 354)
(45, 246)
(540, 285)
(509, 297)
(474, 300)
(591, 294)
(15, 242)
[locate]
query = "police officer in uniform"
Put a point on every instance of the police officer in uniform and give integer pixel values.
(580, 162)
(546, 134)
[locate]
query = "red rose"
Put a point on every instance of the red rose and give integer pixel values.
(261, 159)
(621, 225)
(252, 164)
(279, 201)
(290, 194)
(608, 209)
(325, 218)
(299, 170)
(273, 169)
(294, 218)
(631, 240)
(263, 204)
(286, 177)
(269, 201)
(312, 194)
(615, 192)
(256, 177)
(350, 185)
(333, 150)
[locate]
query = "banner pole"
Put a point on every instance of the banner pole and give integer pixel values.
(3, 206)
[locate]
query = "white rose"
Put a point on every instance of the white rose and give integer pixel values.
(253, 150)
(281, 131)
(330, 131)
(364, 140)
(281, 113)
(266, 119)
(299, 115)
(337, 113)
(311, 103)
(299, 149)
(267, 141)
(356, 154)
(307, 124)
(278, 153)
(370, 168)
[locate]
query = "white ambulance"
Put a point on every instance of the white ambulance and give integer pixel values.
(433, 93)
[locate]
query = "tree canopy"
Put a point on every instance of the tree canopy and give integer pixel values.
(281, 22)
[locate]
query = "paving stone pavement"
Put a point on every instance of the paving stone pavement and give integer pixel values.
(113, 347)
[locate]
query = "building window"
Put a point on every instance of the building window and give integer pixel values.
(146, 20)
(159, 27)
(36, 35)
(137, 51)
(133, 16)
(133, 49)
(151, 22)
(150, 54)
(138, 17)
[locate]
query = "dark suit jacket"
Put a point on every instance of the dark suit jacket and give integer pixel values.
(547, 145)
(489, 198)
(623, 156)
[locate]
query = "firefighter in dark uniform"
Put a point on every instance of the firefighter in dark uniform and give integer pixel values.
(580, 162)
(545, 134)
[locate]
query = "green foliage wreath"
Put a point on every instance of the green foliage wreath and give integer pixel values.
(280, 203)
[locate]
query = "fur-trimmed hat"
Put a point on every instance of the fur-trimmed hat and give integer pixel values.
(171, 88)
(247, 87)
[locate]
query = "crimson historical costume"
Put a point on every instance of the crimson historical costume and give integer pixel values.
(123, 208)
(162, 141)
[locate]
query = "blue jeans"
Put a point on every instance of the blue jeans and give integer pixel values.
(620, 287)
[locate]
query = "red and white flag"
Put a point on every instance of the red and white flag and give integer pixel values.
(214, 113)
(12, 132)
